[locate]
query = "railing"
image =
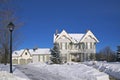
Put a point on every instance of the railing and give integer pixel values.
(82, 51)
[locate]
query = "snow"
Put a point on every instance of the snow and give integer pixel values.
(5, 75)
(40, 51)
(111, 68)
(17, 52)
(37, 51)
(76, 36)
(72, 71)
(68, 71)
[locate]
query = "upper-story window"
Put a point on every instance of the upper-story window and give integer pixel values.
(86, 45)
(60, 45)
(91, 45)
(82, 45)
(64, 45)
(26, 53)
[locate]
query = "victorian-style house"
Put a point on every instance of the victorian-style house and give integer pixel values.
(73, 47)
(76, 46)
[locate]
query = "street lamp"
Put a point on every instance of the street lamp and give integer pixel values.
(11, 28)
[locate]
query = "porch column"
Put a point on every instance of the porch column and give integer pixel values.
(70, 57)
(81, 57)
(84, 56)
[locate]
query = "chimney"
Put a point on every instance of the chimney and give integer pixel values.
(87, 30)
(56, 32)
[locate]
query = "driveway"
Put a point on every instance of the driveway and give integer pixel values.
(34, 73)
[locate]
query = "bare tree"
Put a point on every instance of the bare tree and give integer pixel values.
(7, 14)
(106, 54)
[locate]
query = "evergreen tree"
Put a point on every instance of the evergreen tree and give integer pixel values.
(55, 52)
(92, 56)
(118, 53)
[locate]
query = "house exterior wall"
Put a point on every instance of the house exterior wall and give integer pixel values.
(73, 50)
(41, 57)
(26, 57)
(35, 58)
(70, 49)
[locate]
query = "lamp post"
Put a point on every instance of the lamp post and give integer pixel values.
(11, 28)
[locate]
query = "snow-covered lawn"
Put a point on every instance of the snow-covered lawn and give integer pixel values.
(112, 68)
(72, 71)
(5, 75)
(68, 71)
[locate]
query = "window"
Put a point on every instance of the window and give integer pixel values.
(60, 45)
(86, 45)
(79, 46)
(83, 45)
(26, 53)
(70, 46)
(91, 46)
(63, 45)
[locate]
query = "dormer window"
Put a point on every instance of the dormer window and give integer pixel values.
(15, 52)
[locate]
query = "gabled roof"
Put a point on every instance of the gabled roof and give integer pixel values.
(24, 51)
(91, 34)
(74, 37)
(31, 51)
(41, 51)
(77, 37)
(63, 33)
(17, 53)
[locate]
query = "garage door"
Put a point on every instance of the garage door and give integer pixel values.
(29, 61)
(15, 61)
(22, 61)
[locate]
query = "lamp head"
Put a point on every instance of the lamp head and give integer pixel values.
(11, 26)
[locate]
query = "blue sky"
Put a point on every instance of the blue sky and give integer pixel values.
(43, 17)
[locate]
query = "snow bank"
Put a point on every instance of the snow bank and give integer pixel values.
(73, 71)
(112, 68)
(5, 75)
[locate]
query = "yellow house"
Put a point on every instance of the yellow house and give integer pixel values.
(26, 56)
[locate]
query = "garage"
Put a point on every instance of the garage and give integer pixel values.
(29, 61)
(22, 61)
(15, 61)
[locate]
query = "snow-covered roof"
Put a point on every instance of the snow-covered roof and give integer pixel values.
(37, 51)
(18, 52)
(75, 36)
(40, 51)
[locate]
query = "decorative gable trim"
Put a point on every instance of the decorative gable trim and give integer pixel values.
(27, 52)
(63, 33)
(89, 33)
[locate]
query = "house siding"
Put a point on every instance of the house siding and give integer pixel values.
(74, 50)
(27, 57)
